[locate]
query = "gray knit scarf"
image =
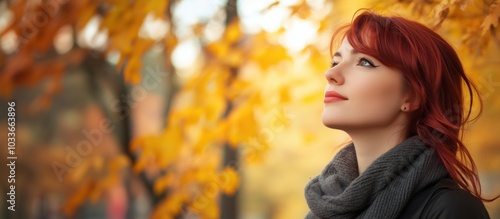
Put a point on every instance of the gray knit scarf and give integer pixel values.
(381, 191)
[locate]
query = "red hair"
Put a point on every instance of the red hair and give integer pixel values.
(433, 78)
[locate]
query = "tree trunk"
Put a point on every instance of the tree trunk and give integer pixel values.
(229, 204)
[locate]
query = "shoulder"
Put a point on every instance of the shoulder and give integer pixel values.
(450, 201)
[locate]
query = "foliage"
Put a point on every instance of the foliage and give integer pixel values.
(239, 81)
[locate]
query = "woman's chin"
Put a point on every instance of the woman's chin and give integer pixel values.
(332, 125)
(330, 120)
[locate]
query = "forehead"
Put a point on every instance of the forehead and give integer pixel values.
(345, 45)
(344, 48)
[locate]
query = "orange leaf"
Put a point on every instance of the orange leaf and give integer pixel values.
(162, 183)
(77, 198)
(491, 20)
(118, 163)
(132, 72)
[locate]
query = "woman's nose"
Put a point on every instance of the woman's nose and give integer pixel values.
(334, 75)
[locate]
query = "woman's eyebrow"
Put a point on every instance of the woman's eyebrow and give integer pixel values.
(353, 52)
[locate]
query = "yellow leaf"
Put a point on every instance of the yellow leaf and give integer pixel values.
(203, 141)
(268, 55)
(170, 207)
(169, 145)
(215, 101)
(228, 180)
(233, 32)
(237, 88)
(234, 58)
(140, 164)
(220, 133)
(441, 11)
(218, 48)
(153, 6)
(302, 10)
(491, 20)
(206, 206)
(118, 163)
(242, 124)
(205, 174)
(284, 94)
(188, 177)
(162, 183)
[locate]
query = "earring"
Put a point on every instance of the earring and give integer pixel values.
(404, 108)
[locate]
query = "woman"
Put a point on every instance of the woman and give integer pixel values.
(395, 87)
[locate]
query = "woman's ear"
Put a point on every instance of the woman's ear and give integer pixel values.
(410, 103)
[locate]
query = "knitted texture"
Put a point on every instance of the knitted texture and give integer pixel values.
(381, 191)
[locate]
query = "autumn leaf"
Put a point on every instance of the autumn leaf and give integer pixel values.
(234, 58)
(269, 55)
(118, 163)
(233, 32)
(132, 71)
(491, 20)
(170, 42)
(88, 11)
(169, 208)
(302, 10)
(441, 11)
(229, 180)
(219, 48)
(162, 183)
(77, 199)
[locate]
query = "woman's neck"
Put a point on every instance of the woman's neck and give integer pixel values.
(372, 143)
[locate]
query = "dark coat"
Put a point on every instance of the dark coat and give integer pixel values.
(445, 199)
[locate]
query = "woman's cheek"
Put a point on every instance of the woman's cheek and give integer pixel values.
(375, 99)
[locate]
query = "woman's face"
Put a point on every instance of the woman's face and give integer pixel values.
(371, 94)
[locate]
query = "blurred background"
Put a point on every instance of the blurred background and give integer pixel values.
(197, 108)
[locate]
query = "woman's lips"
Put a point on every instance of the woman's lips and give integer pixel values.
(332, 96)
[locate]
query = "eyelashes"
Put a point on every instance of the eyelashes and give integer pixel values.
(362, 61)
(366, 62)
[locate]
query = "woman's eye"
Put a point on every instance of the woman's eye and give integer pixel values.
(334, 64)
(366, 63)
